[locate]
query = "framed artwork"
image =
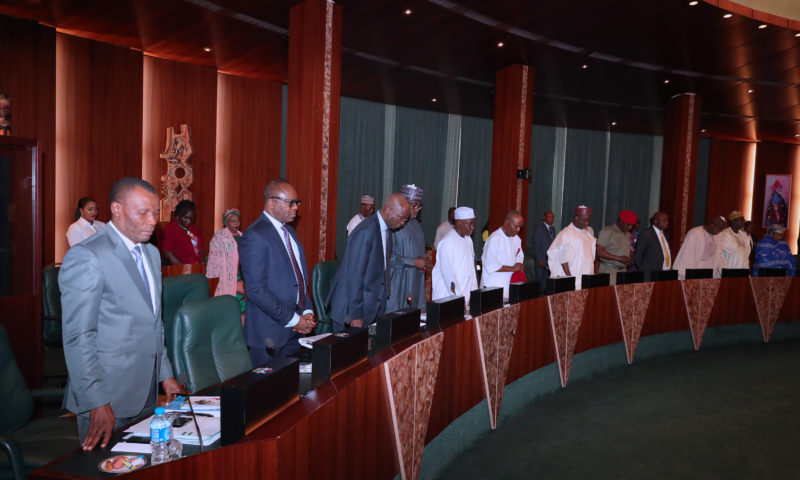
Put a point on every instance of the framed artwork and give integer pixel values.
(777, 193)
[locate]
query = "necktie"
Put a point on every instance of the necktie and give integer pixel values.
(666, 249)
(137, 255)
(388, 258)
(550, 229)
(301, 285)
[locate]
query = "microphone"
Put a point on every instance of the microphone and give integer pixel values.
(182, 380)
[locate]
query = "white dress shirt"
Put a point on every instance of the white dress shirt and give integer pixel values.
(279, 227)
(148, 269)
(81, 229)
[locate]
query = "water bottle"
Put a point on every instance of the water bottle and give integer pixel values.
(160, 437)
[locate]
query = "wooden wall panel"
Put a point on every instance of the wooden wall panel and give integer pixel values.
(248, 143)
(774, 158)
(727, 177)
(667, 310)
(98, 125)
(534, 345)
(734, 304)
(28, 75)
(174, 94)
(600, 325)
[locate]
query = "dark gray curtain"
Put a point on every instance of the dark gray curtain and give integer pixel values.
(419, 155)
(629, 165)
(701, 187)
(361, 138)
(540, 190)
(475, 170)
(584, 175)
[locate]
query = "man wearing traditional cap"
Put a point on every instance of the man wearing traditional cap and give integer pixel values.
(700, 248)
(652, 249)
(735, 243)
(614, 245)
(409, 262)
(454, 272)
(362, 283)
(445, 227)
(772, 251)
(367, 209)
(572, 252)
(502, 253)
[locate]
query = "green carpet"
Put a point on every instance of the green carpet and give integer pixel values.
(721, 413)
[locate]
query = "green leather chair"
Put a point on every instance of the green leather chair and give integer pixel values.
(26, 444)
(51, 305)
(178, 291)
(321, 282)
(207, 342)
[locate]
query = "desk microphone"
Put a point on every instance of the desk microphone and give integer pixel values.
(184, 383)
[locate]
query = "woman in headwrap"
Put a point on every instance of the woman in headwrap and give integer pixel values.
(773, 252)
(777, 211)
(223, 257)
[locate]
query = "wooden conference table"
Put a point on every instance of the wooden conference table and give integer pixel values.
(373, 419)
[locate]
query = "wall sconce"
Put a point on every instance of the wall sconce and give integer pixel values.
(524, 174)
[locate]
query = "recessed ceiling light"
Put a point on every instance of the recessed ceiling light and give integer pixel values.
(693, 3)
(408, 11)
(762, 26)
(727, 15)
(613, 124)
(750, 90)
(797, 134)
(584, 66)
(703, 130)
(207, 49)
(500, 44)
(797, 34)
(434, 99)
(666, 81)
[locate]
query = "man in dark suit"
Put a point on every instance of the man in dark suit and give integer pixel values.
(273, 262)
(111, 310)
(360, 290)
(543, 236)
(652, 249)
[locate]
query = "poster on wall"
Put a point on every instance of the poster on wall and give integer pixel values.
(778, 189)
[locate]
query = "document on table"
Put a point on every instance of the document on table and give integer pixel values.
(308, 342)
(209, 428)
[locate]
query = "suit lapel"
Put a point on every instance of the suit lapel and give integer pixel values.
(125, 257)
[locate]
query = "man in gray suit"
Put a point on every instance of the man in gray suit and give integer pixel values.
(111, 310)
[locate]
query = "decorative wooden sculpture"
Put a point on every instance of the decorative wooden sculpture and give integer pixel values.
(175, 183)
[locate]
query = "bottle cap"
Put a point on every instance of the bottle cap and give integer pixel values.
(160, 411)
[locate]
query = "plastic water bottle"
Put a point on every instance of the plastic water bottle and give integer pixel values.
(160, 437)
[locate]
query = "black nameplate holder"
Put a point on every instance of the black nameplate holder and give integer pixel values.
(521, 291)
(660, 275)
(247, 399)
(336, 352)
(695, 273)
(735, 273)
(626, 278)
(484, 300)
(771, 272)
(445, 310)
(597, 280)
(397, 326)
(559, 285)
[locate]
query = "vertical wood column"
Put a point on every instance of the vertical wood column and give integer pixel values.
(511, 143)
(679, 165)
(312, 134)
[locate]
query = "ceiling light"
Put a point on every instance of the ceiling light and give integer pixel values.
(500, 44)
(207, 49)
(797, 135)
(434, 99)
(762, 26)
(750, 90)
(797, 34)
(727, 15)
(584, 66)
(703, 130)
(693, 3)
(613, 124)
(666, 81)
(408, 11)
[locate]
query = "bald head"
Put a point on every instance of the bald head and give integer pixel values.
(395, 211)
(513, 223)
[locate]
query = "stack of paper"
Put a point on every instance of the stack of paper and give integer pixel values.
(209, 429)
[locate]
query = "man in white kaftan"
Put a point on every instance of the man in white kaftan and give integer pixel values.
(454, 272)
(573, 250)
(735, 243)
(701, 249)
(502, 253)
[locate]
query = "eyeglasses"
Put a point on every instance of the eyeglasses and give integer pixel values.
(292, 203)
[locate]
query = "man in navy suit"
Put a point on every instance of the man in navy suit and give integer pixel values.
(360, 289)
(543, 236)
(273, 263)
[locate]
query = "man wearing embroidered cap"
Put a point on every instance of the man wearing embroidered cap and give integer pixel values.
(367, 209)
(409, 262)
(700, 248)
(572, 252)
(614, 245)
(454, 272)
(735, 243)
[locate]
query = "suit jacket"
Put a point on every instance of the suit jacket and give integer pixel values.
(113, 341)
(541, 242)
(359, 289)
(648, 255)
(270, 284)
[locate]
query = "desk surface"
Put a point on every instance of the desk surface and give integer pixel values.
(344, 428)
